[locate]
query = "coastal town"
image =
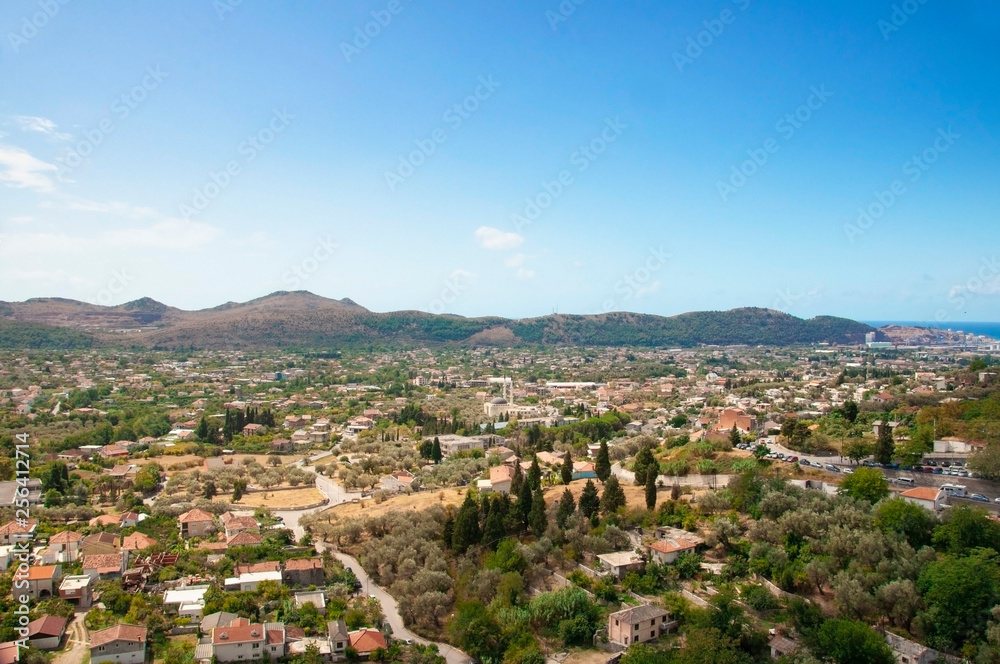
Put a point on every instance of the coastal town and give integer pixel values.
(486, 504)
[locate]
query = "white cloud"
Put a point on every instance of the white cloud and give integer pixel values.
(40, 125)
(494, 238)
(175, 234)
(517, 260)
(23, 219)
(524, 273)
(20, 170)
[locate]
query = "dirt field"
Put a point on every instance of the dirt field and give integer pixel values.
(278, 500)
(181, 461)
(417, 501)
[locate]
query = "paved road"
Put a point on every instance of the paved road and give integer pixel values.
(390, 607)
(974, 485)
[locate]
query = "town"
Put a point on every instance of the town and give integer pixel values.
(577, 505)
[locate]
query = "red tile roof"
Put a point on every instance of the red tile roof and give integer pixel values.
(47, 626)
(303, 564)
(366, 640)
(238, 634)
(194, 516)
(42, 572)
(672, 545)
(120, 632)
(922, 493)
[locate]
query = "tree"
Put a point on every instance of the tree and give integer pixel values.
(535, 474)
(866, 484)
(517, 480)
(567, 507)
(850, 642)
(734, 436)
(912, 521)
(466, 525)
(202, 430)
(494, 529)
(567, 468)
(590, 501)
(209, 490)
(986, 461)
(885, 447)
(645, 463)
(239, 488)
(958, 592)
(613, 496)
(857, 449)
(523, 505)
(436, 450)
(850, 411)
(602, 465)
(967, 528)
(650, 490)
(274, 460)
(536, 519)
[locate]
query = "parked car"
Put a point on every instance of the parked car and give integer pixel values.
(832, 468)
(979, 497)
(938, 471)
(848, 471)
(791, 459)
(928, 469)
(804, 462)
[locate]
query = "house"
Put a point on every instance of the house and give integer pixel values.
(315, 597)
(366, 641)
(339, 638)
(499, 481)
(954, 445)
(99, 543)
(137, 542)
(638, 624)
(105, 520)
(13, 532)
(114, 451)
(217, 619)
(782, 646)
(401, 480)
(47, 633)
(186, 602)
(254, 429)
(78, 590)
(908, 652)
(243, 640)
(666, 551)
(245, 538)
(9, 491)
(453, 443)
(252, 568)
(41, 581)
(66, 546)
(929, 498)
(282, 445)
(106, 565)
(584, 470)
(304, 572)
(9, 652)
(196, 523)
(882, 397)
(124, 471)
(621, 563)
(121, 644)
(249, 580)
(234, 525)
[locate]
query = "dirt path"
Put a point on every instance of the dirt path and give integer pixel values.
(78, 641)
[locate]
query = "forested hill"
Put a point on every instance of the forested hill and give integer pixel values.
(306, 321)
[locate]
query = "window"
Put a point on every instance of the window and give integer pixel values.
(652, 635)
(636, 627)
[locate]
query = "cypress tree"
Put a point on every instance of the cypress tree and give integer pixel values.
(885, 447)
(494, 529)
(567, 506)
(650, 490)
(590, 502)
(613, 496)
(603, 464)
(567, 468)
(537, 518)
(466, 526)
(517, 480)
(535, 474)
(436, 450)
(524, 504)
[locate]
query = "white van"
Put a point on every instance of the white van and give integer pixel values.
(906, 481)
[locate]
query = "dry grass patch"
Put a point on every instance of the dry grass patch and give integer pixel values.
(278, 500)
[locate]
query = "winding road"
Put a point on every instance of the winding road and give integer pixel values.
(390, 608)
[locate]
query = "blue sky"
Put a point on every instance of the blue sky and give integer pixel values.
(627, 124)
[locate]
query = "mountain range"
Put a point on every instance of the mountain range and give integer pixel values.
(302, 320)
